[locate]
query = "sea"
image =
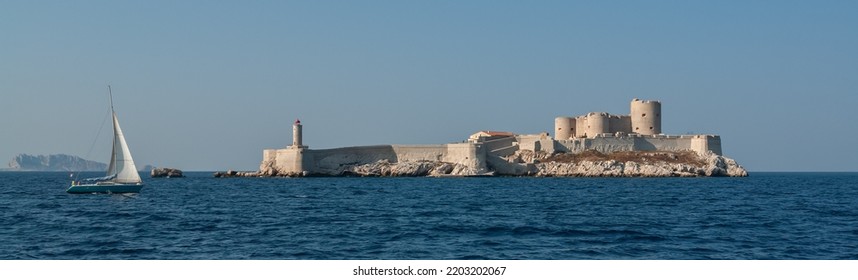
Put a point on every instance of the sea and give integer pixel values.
(781, 216)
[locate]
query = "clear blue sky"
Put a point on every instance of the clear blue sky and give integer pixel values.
(207, 85)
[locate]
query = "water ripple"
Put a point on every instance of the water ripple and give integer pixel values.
(765, 216)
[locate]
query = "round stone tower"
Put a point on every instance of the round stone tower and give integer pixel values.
(597, 123)
(297, 141)
(646, 117)
(564, 128)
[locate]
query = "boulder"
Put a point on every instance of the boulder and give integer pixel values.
(231, 173)
(166, 172)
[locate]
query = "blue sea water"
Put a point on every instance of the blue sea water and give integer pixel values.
(765, 216)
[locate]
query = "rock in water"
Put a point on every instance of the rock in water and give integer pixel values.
(166, 172)
(231, 173)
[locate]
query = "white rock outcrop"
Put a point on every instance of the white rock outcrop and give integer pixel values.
(713, 165)
(409, 169)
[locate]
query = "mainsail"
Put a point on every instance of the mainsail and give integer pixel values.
(121, 175)
(121, 163)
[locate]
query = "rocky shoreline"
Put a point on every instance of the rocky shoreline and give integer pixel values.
(526, 163)
(623, 164)
(716, 166)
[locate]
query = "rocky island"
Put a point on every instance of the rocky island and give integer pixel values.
(59, 162)
(593, 145)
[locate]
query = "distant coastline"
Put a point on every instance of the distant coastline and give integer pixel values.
(55, 162)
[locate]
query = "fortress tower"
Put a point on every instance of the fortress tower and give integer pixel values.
(597, 123)
(297, 134)
(564, 128)
(646, 117)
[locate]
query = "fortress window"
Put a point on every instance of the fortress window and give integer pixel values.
(650, 127)
(637, 128)
(643, 115)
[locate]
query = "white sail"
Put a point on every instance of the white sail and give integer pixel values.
(121, 163)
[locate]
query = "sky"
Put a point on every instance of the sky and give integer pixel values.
(207, 85)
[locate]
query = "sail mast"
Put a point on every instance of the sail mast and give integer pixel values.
(110, 93)
(111, 170)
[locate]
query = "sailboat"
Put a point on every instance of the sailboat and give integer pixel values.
(122, 176)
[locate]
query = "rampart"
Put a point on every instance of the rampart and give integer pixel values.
(607, 143)
(335, 161)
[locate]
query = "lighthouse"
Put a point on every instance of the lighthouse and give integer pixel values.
(297, 134)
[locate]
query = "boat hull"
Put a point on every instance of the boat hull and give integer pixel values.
(113, 188)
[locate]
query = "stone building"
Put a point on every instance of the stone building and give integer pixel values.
(644, 119)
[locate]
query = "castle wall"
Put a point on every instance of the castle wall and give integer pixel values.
(601, 144)
(620, 124)
(714, 143)
(334, 161)
(501, 147)
(610, 144)
(662, 143)
(467, 154)
(535, 142)
(702, 143)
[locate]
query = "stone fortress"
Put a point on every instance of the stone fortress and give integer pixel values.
(487, 153)
(639, 131)
(645, 118)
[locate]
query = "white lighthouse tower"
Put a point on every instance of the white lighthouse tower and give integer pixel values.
(297, 134)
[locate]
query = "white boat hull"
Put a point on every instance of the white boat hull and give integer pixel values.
(105, 188)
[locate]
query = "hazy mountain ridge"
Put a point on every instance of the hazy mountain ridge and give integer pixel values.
(59, 162)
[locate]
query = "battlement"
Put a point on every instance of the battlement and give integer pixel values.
(637, 100)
